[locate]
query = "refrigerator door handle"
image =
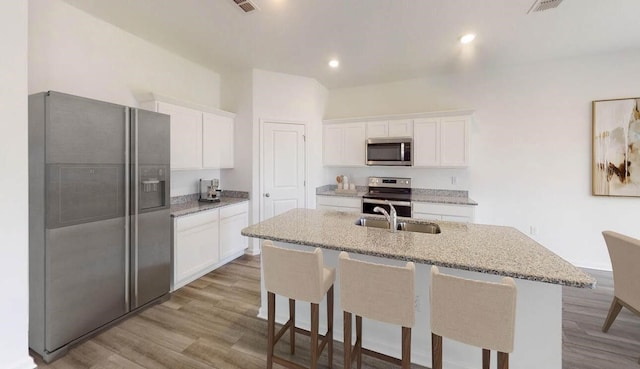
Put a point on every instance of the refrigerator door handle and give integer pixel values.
(127, 205)
(136, 207)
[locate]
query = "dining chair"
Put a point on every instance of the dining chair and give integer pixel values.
(624, 252)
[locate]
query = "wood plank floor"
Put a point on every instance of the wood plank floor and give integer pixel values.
(584, 344)
(212, 323)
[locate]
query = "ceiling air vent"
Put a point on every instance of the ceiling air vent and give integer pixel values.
(247, 6)
(540, 5)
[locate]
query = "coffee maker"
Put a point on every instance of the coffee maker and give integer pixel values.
(209, 191)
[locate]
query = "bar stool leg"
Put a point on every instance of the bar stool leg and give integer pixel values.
(359, 340)
(292, 328)
(330, 325)
(436, 351)
(486, 358)
(271, 321)
(406, 348)
(347, 339)
(503, 360)
(315, 318)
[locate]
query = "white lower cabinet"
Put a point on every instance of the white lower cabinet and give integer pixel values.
(446, 212)
(233, 219)
(206, 240)
(341, 203)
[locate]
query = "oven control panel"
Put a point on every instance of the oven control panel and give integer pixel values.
(389, 182)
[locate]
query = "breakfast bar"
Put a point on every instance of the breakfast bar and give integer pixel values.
(482, 252)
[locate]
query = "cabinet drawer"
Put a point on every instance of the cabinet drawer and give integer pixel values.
(345, 202)
(443, 209)
(231, 210)
(195, 220)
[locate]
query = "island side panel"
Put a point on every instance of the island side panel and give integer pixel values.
(538, 336)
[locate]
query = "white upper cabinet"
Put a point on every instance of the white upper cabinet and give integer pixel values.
(186, 136)
(201, 138)
(217, 141)
(441, 142)
(377, 129)
(390, 128)
(440, 139)
(426, 142)
(454, 141)
(344, 144)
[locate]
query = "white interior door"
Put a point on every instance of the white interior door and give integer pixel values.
(283, 168)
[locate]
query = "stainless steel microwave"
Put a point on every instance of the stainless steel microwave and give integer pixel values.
(397, 151)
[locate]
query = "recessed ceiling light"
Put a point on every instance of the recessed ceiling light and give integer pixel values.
(334, 63)
(467, 38)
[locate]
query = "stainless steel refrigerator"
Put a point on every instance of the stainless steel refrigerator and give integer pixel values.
(99, 218)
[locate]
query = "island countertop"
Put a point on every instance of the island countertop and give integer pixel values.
(488, 249)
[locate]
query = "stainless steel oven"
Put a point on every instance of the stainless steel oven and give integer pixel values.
(387, 190)
(394, 151)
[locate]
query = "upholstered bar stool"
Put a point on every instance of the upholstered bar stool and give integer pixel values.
(379, 292)
(297, 275)
(476, 313)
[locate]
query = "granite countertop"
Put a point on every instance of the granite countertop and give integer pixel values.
(178, 210)
(434, 197)
(359, 193)
(488, 249)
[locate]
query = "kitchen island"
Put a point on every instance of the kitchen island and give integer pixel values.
(468, 250)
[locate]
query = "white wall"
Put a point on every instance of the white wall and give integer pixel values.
(531, 144)
(284, 97)
(14, 185)
(261, 95)
(71, 51)
(237, 96)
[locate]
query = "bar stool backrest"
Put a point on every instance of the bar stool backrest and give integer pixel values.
(379, 292)
(295, 274)
(624, 252)
(477, 313)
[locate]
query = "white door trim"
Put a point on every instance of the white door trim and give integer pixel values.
(261, 157)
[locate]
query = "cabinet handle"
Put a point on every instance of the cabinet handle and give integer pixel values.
(267, 194)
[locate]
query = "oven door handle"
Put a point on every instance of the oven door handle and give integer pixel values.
(385, 202)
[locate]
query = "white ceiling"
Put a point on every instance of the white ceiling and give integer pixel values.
(375, 40)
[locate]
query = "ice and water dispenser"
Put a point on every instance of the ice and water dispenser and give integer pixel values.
(153, 180)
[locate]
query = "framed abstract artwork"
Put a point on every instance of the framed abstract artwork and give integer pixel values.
(616, 147)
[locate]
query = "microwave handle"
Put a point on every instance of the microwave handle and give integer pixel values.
(402, 151)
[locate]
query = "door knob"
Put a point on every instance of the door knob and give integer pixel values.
(267, 194)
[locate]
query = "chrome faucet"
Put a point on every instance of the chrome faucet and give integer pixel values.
(391, 218)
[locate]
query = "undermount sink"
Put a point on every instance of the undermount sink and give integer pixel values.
(374, 223)
(430, 228)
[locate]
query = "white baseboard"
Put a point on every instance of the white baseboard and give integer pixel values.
(251, 251)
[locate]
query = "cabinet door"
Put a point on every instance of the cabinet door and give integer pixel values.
(327, 202)
(400, 128)
(211, 140)
(186, 136)
(217, 141)
(332, 144)
(226, 142)
(377, 129)
(231, 241)
(454, 141)
(426, 143)
(427, 216)
(196, 244)
(354, 144)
